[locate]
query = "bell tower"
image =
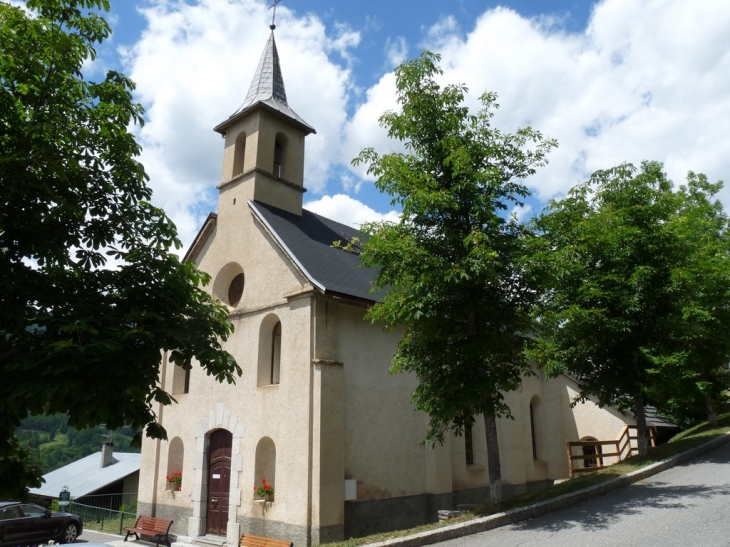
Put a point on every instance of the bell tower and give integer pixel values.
(263, 159)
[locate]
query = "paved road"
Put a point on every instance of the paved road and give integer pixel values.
(684, 506)
(92, 536)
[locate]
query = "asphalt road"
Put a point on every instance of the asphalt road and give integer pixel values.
(92, 536)
(686, 505)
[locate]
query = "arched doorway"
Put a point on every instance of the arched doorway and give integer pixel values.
(219, 481)
(591, 451)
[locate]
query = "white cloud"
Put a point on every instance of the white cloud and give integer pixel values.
(645, 80)
(363, 130)
(396, 51)
(348, 211)
(18, 4)
(522, 212)
(345, 40)
(193, 66)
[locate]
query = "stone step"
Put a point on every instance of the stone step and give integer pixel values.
(209, 541)
(201, 541)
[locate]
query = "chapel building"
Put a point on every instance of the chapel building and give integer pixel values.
(316, 412)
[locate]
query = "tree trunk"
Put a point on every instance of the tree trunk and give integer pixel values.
(707, 399)
(494, 466)
(641, 430)
(710, 408)
(642, 433)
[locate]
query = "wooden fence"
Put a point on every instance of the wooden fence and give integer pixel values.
(593, 456)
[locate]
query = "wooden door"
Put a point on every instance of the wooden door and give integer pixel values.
(219, 481)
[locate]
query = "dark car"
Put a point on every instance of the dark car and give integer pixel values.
(30, 524)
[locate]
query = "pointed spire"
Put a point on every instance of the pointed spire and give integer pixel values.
(267, 82)
(267, 88)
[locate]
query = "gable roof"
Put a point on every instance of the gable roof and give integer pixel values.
(85, 476)
(308, 241)
(201, 237)
(267, 91)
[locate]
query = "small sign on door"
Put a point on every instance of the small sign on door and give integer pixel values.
(216, 475)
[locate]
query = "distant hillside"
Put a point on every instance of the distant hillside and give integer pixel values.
(55, 444)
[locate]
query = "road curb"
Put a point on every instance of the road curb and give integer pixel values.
(483, 524)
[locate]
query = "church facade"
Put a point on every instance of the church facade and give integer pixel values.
(316, 412)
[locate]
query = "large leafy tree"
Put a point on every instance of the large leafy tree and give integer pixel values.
(691, 375)
(636, 288)
(452, 262)
(78, 333)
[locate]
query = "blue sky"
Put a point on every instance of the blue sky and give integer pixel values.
(612, 81)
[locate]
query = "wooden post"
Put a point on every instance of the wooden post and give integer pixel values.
(570, 459)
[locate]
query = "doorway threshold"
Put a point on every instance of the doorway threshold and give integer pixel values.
(209, 540)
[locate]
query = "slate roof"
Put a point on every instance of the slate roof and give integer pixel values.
(308, 241)
(86, 475)
(654, 418)
(267, 90)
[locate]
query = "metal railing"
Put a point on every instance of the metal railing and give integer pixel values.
(107, 512)
(593, 457)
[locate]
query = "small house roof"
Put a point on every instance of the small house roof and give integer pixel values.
(86, 475)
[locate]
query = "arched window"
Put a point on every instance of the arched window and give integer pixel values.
(265, 462)
(180, 378)
(229, 283)
(532, 431)
(175, 457)
(280, 155)
(239, 152)
(235, 290)
(275, 353)
(269, 365)
(590, 451)
(278, 158)
(537, 429)
(469, 444)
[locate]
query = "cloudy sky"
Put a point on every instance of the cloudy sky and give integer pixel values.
(612, 81)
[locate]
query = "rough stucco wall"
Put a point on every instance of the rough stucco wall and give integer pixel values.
(591, 421)
(328, 465)
(470, 475)
(249, 126)
(515, 443)
(555, 424)
(381, 425)
(281, 412)
(293, 164)
(148, 469)
(261, 130)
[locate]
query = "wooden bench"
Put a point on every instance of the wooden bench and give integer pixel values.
(249, 540)
(151, 527)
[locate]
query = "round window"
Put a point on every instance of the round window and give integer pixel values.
(235, 290)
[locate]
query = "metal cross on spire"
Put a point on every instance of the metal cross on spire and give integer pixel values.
(273, 16)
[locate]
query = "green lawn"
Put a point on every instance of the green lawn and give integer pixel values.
(680, 443)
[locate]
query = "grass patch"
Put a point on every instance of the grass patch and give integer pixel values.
(375, 538)
(682, 442)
